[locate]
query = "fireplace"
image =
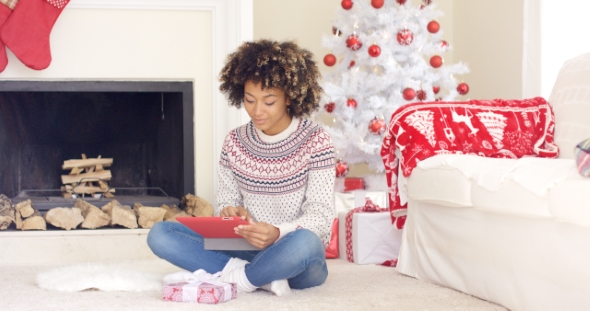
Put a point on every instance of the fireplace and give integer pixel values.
(146, 127)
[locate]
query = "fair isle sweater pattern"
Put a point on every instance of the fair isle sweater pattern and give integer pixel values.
(288, 183)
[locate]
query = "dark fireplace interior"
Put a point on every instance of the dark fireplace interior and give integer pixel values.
(146, 127)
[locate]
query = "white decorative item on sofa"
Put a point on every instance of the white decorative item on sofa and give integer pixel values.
(512, 231)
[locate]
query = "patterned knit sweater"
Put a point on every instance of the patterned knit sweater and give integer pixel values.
(286, 180)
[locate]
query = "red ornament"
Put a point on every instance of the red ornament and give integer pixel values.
(377, 3)
(330, 60)
(346, 4)
(374, 50)
(351, 103)
(421, 94)
(353, 42)
(401, 2)
(341, 168)
(409, 93)
(329, 107)
(444, 44)
(422, 7)
(463, 88)
(351, 64)
(436, 89)
(377, 126)
(427, 2)
(436, 61)
(405, 37)
(336, 31)
(433, 27)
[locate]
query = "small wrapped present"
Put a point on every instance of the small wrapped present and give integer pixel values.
(367, 235)
(200, 287)
(351, 184)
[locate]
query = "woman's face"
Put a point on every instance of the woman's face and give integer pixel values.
(267, 108)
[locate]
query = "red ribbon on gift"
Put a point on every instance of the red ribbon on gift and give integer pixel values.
(369, 207)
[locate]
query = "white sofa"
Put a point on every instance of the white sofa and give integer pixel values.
(514, 232)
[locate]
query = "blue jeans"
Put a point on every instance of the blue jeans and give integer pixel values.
(299, 256)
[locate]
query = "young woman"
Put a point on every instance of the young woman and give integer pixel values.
(277, 172)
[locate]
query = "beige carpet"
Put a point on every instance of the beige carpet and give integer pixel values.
(349, 287)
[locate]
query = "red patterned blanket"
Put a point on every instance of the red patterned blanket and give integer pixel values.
(489, 128)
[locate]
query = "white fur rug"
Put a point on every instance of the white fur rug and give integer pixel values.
(121, 276)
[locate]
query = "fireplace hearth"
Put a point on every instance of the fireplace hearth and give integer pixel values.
(145, 126)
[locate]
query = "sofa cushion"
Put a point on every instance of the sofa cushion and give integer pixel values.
(533, 187)
(568, 200)
(570, 99)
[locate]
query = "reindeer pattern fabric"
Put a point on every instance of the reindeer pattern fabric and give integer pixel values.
(489, 128)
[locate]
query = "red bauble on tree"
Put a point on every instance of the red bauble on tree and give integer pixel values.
(433, 27)
(436, 89)
(351, 103)
(421, 95)
(409, 93)
(346, 4)
(401, 2)
(377, 3)
(374, 50)
(377, 126)
(427, 2)
(330, 107)
(405, 37)
(353, 42)
(436, 61)
(443, 44)
(351, 64)
(330, 60)
(341, 168)
(463, 88)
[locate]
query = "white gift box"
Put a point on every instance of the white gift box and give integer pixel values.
(346, 201)
(374, 238)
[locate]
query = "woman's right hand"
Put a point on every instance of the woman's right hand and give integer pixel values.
(230, 211)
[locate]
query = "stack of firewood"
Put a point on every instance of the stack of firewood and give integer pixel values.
(87, 176)
(85, 215)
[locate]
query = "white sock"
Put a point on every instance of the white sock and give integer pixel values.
(235, 272)
(175, 277)
(278, 287)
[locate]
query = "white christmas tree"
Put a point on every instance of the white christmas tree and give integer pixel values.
(387, 54)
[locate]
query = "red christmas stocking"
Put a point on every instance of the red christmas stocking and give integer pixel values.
(26, 32)
(5, 11)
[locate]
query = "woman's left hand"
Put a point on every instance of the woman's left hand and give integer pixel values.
(259, 234)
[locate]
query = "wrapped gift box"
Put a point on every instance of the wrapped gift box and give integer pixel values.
(210, 293)
(375, 239)
(351, 184)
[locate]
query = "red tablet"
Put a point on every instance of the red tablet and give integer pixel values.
(213, 227)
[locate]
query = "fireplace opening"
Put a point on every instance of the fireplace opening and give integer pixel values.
(146, 127)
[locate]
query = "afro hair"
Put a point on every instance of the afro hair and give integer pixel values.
(282, 65)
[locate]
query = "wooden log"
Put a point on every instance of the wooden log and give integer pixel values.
(93, 216)
(196, 206)
(147, 216)
(121, 215)
(76, 171)
(88, 177)
(6, 212)
(18, 220)
(172, 212)
(83, 163)
(25, 208)
(85, 189)
(35, 222)
(64, 217)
